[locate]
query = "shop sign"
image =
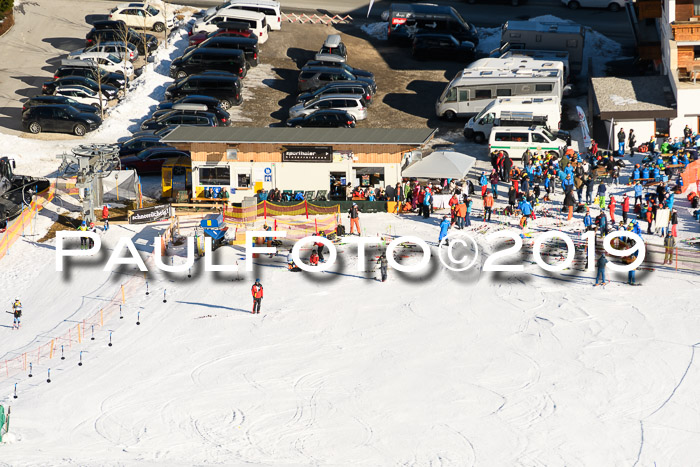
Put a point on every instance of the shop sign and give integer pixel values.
(308, 154)
(146, 215)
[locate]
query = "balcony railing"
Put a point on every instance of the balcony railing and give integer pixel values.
(686, 31)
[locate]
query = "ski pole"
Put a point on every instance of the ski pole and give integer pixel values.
(164, 300)
(30, 369)
(80, 363)
(138, 318)
(110, 339)
(15, 396)
(62, 357)
(120, 312)
(93, 333)
(48, 380)
(147, 288)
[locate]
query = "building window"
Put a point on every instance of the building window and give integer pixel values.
(543, 88)
(696, 7)
(220, 176)
(244, 180)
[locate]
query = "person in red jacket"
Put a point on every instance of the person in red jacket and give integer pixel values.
(625, 208)
(313, 260)
(611, 206)
(257, 291)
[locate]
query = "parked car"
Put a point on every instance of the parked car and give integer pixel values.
(162, 133)
(311, 78)
(249, 46)
(89, 70)
(225, 87)
(191, 108)
(442, 46)
(81, 94)
(612, 5)
(61, 100)
(108, 62)
(59, 118)
(340, 87)
(270, 8)
(113, 31)
(136, 144)
(333, 45)
(511, 2)
(198, 60)
(119, 48)
(256, 22)
(336, 61)
(142, 16)
(193, 99)
(110, 92)
(151, 160)
(226, 29)
(352, 104)
(329, 118)
(177, 117)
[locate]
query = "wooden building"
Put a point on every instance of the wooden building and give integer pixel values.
(246, 160)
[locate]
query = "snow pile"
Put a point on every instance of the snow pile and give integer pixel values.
(489, 39)
(621, 100)
(376, 30)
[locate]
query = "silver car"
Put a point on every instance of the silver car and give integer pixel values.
(351, 103)
(120, 49)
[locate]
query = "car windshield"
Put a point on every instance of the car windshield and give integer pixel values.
(152, 11)
(548, 134)
(112, 58)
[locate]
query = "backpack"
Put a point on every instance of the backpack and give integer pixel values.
(340, 231)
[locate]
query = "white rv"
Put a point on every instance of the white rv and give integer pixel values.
(514, 111)
(473, 89)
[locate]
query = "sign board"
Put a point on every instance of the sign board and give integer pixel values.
(152, 214)
(268, 174)
(308, 154)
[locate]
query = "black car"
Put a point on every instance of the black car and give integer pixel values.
(442, 46)
(329, 118)
(314, 77)
(162, 133)
(341, 87)
(176, 117)
(198, 60)
(223, 118)
(142, 42)
(58, 100)
(151, 160)
(193, 99)
(225, 87)
(137, 144)
(249, 46)
(337, 62)
(59, 118)
(118, 80)
(109, 92)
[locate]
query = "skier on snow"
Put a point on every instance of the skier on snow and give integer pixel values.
(257, 291)
(17, 313)
(444, 226)
(383, 266)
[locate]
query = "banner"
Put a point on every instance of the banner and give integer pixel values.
(308, 154)
(152, 214)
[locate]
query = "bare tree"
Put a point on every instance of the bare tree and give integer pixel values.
(99, 78)
(122, 36)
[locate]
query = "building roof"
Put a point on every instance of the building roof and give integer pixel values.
(634, 97)
(403, 136)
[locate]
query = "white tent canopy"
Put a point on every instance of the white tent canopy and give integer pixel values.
(441, 164)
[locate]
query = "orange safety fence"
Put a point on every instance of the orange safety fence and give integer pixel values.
(298, 229)
(74, 335)
(17, 226)
(268, 209)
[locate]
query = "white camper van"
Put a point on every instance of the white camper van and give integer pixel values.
(473, 89)
(514, 111)
(515, 141)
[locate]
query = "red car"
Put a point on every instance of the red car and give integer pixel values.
(226, 29)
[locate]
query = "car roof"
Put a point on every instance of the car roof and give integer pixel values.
(73, 87)
(200, 97)
(329, 58)
(131, 5)
(322, 69)
(97, 55)
(333, 40)
(232, 39)
(190, 106)
(217, 52)
(172, 112)
(119, 43)
(76, 63)
(108, 24)
(270, 3)
(338, 96)
(325, 111)
(245, 14)
(234, 25)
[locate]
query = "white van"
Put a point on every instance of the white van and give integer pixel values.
(515, 141)
(257, 22)
(473, 88)
(514, 111)
(270, 8)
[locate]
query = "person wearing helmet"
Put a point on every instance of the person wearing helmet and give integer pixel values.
(93, 229)
(257, 292)
(17, 313)
(83, 240)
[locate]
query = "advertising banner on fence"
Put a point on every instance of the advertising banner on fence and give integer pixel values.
(152, 214)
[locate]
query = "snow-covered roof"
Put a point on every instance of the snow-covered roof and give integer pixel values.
(633, 97)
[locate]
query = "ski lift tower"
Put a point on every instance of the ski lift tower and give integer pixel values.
(90, 163)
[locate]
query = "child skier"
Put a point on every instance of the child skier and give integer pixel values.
(383, 266)
(17, 313)
(444, 226)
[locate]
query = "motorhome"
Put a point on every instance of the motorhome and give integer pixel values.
(536, 35)
(544, 55)
(473, 89)
(514, 111)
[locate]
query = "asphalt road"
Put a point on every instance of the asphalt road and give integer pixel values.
(484, 14)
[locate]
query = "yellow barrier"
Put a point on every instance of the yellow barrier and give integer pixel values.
(18, 225)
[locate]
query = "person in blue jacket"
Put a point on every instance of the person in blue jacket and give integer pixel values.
(636, 173)
(638, 192)
(657, 173)
(427, 203)
(587, 221)
(467, 218)
(670, 201)
(636, 229)
(444, 227)
(674, 159)
(602, 189)
(645, 172)
(600, 268)
(602, 221)
(685, 160)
